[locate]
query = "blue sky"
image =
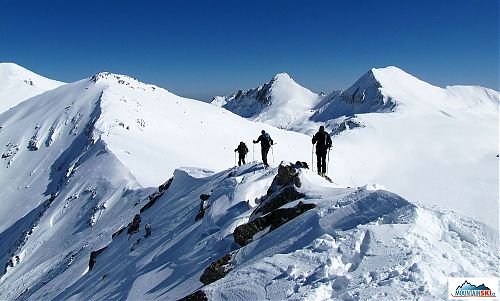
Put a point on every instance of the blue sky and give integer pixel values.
(204, 48)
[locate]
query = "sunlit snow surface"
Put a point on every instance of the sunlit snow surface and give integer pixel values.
(18, 84)
(435, 145)
(358, 243)
(77, 162)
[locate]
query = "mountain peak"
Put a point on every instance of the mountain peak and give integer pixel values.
(18, 84)
(120, 79)
(11, 67)
(282, 76)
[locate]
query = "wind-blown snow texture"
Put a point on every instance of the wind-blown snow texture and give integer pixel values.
(358, 243)
(78, 159)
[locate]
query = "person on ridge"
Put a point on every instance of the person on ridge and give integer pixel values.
(242, 150)
(265, 144)
(323, 142)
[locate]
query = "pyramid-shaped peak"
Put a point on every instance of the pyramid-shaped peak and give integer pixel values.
(393, 74)
(282, 76)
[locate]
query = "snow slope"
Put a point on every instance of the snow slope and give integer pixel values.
(356, 244)
(77, 161)
(281, 103)
(76, 158)
(392, 128)
(436, 145)
(18, 84)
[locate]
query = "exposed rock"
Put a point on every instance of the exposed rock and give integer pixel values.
(217, 269)
(348, 124)
(201, 211)
(301, 164)
(243, 234)
(282, 190)
(32, 144)
(199, 295)
(118, 232)
(147, 228)
(155, 196)
(93, 256)
(204, 196)
(133, 227)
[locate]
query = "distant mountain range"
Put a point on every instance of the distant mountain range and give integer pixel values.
(97, 201)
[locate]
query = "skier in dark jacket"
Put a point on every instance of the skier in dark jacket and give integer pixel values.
(265, 144)
(323, 142)
(242, 150)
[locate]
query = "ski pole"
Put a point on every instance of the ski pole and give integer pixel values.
(328, 161)
(272, 153)
(312, 158)
(253, 152)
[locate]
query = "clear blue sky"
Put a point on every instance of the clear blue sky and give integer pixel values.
(204, 48)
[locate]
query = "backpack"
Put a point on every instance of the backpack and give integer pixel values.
(268, 139)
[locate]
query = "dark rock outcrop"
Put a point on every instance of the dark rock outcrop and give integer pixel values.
(155, 196)
(133, 227)
(201, 211)
(217, 269)
(148, 230)
(302, 164)
(117, 233)
(283, 190)
(93, 256)
(199, 295)
(243, 234)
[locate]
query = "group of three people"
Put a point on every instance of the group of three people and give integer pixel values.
(322, 140)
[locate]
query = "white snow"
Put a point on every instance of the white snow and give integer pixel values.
(18, 84)
(78, 159)
(282, 103)
(435, 145)
(357, 244)
(439, 146)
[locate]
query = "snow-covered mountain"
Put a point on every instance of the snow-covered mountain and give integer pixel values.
(436, 145)
(77, 161)
(80, 220)
(282, 234)
(18, 84)
(392, 128)
(281, 103)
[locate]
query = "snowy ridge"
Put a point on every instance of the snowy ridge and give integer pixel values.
(392, 128)
(281, 102)
(354, 244)
(364, 96)
(78, 223)
(443, 139)
(18, 84)
(384, 90)
(75, 159)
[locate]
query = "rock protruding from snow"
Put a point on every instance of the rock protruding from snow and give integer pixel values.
(283, 190)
